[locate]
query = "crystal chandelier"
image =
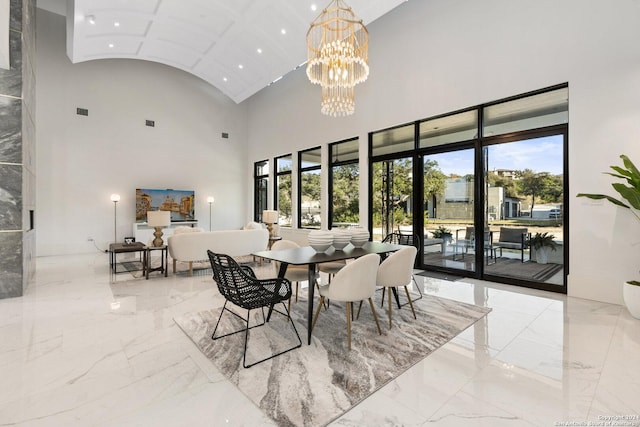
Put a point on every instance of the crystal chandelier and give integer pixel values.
(337, 47)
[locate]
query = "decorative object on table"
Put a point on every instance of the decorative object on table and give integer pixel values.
(542, 243)
(158, 220)
(270, 217)
(129, 240)
(359, 236)
(338, 58)
(239, 286)
(210, 200)
(320, 240)
(630, 193)
(115, 198)
(341, 238)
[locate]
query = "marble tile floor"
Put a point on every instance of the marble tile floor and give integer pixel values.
(77, 350)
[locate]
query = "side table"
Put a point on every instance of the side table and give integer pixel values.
(119, 248)
(272, 240)
(147, 260)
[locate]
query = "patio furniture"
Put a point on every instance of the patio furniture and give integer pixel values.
(513, 238)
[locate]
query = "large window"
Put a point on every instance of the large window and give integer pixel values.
(344, 182)
(282, 202)
(260, 188)
(479, 187)
(309, 188)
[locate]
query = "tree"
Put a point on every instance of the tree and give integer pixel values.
(533, 184)
(346, 200)
(434, 181)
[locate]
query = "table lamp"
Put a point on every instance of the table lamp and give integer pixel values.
(270, 218)
(158, 220)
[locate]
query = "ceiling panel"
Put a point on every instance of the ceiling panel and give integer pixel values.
(209, 38)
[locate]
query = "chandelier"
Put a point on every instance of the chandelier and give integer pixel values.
(337, 48)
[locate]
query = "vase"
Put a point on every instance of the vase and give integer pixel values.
(631, 297)
(542, 255)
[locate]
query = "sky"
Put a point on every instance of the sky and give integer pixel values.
(539, 154)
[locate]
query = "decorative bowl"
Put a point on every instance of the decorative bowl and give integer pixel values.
(341, 238)
(320, 240)
(359, 236)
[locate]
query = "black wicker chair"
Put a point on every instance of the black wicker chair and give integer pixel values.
(239, 285)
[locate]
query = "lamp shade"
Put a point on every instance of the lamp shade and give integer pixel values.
(158, 218)
(210, 199)
(115, 197)
(269, 217)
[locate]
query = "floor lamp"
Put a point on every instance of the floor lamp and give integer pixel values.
(115, 198)
(210, 201)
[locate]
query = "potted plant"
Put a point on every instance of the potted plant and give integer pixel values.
(442, 233)
(630, 192)
(445, 234)
(541, 243)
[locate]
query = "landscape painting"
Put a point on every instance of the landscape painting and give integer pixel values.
(178, 202)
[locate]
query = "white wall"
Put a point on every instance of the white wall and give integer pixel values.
(81, 160)
(433, 57)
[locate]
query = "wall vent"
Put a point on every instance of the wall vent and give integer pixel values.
(82, 111)
(150, 123)
(225, 135)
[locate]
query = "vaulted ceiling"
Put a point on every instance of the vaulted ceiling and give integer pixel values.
(238, 46)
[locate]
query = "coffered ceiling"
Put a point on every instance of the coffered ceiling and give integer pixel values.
(238, 46)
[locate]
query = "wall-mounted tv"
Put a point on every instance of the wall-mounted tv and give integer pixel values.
(178, 202)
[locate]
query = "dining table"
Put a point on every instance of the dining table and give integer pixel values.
(306, 255)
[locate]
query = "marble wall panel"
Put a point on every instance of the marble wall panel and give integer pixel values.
(11, 80)
(10, 130)
(11, 264)
(29, 25)
(10, 197)
(28, 143)
(28, 197)
(28, 257)
(15, 17)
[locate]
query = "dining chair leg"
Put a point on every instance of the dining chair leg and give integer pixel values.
(297, 286)
(349, 325)
(359, 307)
(410, 302)
(315, 318)
(289, 307)
(390, 305)
(375, 316)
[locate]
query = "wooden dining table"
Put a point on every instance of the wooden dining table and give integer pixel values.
(306, 255)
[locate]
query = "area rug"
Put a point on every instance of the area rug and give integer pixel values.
(317, 383)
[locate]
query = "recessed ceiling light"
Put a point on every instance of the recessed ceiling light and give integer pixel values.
(314, 7)
(240, 66)
(283, 31)
(110, 45)
(225, 79)
(91, 19)
(259, 50)
(116, 24)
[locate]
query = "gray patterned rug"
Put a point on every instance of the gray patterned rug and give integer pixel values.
(317, 383)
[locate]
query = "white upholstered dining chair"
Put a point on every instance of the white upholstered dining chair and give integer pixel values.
(396, 271)
(356, 281)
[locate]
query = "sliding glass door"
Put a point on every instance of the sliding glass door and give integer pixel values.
(392, 197)
(448, 187)
(524, 210)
